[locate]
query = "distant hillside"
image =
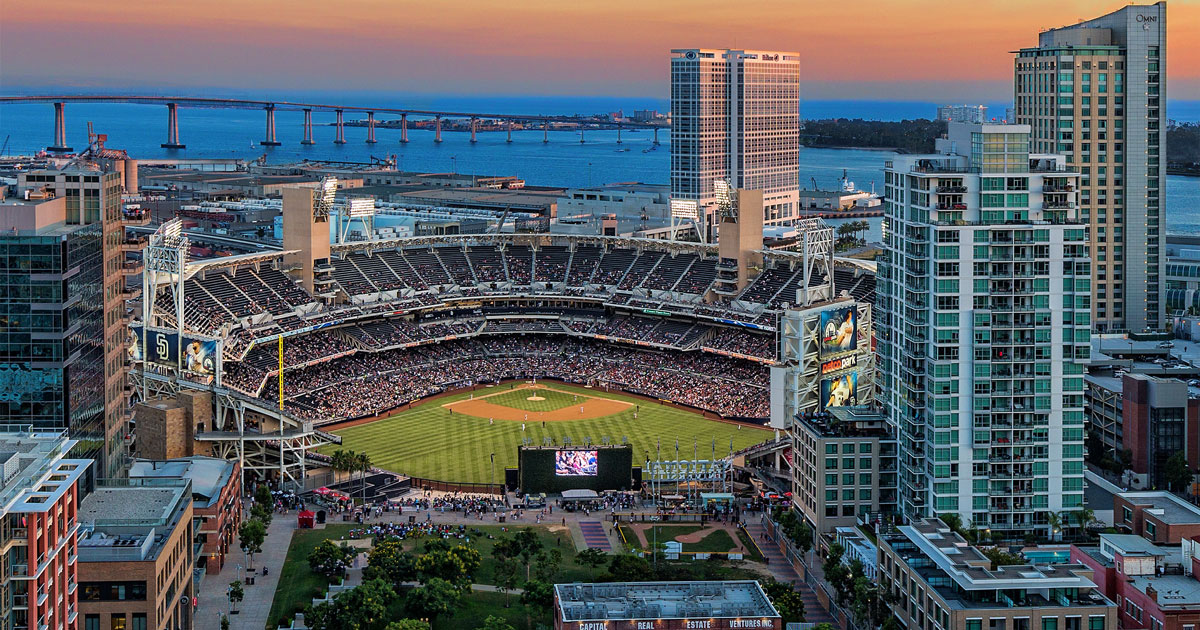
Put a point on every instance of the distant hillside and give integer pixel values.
(906, 136)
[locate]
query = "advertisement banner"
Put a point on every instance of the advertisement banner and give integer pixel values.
(839, 391)
(161, 347)
(839, 364)
(838, 331)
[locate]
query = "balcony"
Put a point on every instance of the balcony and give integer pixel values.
(1058, 188)
(132, 267)
(1058, 205)
(133, 243)
(942, 190)
(135, 216)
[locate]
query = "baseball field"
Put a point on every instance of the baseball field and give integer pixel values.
(451, 438)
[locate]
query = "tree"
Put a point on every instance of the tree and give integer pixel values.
(1084, 517)
(538, 595)
(364, 607)
(224, 622)
(496, 623)
(527, 545)
(389, 562)
(362, 463)
(236, 593)
(445, 565)
(1002, 558)
(407, 624)
(1054, 522)
(546, 565)
(264, 504)
(953, 521)
(787, 601)
(251, 535)
(341, 460)
(508, 575)
(330, 559)
(629, 568)
(592, 557)
(433, 598)
(839, 576)
(1177, 475)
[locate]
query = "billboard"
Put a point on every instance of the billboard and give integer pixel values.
(838, 331)
(575, 463)
(839, 391)
(161, 347)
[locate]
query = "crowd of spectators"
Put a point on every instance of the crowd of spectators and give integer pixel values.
(367, 384)
(761, 345)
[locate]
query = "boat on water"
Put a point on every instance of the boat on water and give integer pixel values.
(622, 151)
(846, 202)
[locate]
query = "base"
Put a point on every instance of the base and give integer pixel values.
(59, 149)
(307, 142)
(270, 143)
(173, 145)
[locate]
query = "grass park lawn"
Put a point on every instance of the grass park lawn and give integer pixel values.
(428, 442)
(298, 585)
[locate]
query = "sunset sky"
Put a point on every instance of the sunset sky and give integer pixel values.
(855, 49)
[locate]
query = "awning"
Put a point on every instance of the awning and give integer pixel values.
(577, 495)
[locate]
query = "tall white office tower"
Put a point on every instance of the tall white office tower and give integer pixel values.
(983, 319)
(735, 116)
(1096, 92)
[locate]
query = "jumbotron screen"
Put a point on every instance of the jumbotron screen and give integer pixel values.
(555, 469)
(576, 463)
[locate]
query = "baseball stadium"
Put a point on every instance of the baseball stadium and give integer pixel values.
(441, 356)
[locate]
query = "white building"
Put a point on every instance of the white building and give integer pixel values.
(1096, 92)
(962, 113)
(736, 116)
(631, 206)
(984, 321)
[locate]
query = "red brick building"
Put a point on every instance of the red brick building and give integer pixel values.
(1134, 573)
(1157, 516)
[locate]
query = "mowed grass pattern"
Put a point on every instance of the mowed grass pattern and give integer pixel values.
(429, 442)
(519, 399)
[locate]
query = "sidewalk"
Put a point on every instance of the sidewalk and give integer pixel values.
(778, 565)
(256, 605)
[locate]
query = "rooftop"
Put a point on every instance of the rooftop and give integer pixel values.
(663, 600)
(1173, 590)
(1164, 506)
(131, 520)
(207, 474)
(837, 422)
(962, 574)
(33, 472)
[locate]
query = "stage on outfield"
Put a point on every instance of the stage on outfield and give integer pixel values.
(454, 438)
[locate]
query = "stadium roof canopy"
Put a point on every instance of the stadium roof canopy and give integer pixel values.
(577, 495)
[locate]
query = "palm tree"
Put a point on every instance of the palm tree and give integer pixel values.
(1055, 522)
(342, 460)
(362, 462)
(1084, 516)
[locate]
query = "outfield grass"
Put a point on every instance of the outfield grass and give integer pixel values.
(429, 442)
(520, 400)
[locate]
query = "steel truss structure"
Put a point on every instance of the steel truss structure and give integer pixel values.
(253, 444)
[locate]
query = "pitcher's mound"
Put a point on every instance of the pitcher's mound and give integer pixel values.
(535, 398)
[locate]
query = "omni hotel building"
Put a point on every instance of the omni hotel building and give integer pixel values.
(983, 318)
(1096, 93)
(735, 115)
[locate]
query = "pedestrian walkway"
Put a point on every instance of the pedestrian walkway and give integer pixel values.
(594, 536)
(256, 606)
(781, 570)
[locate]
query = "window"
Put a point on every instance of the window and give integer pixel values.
(1096, 622)
(139, 621)
(118, 622)
(974, 624)
(91, 622)
(1050, 623)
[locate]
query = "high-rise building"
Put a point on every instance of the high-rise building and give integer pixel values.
(1096, 92)
(735, 117)
(39, 496)
(983, 318)
(51, 368)
(962, 113)
(91, 194)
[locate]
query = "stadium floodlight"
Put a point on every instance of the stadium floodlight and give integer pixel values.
(684, 209)
(360, 207)
(726, 200)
